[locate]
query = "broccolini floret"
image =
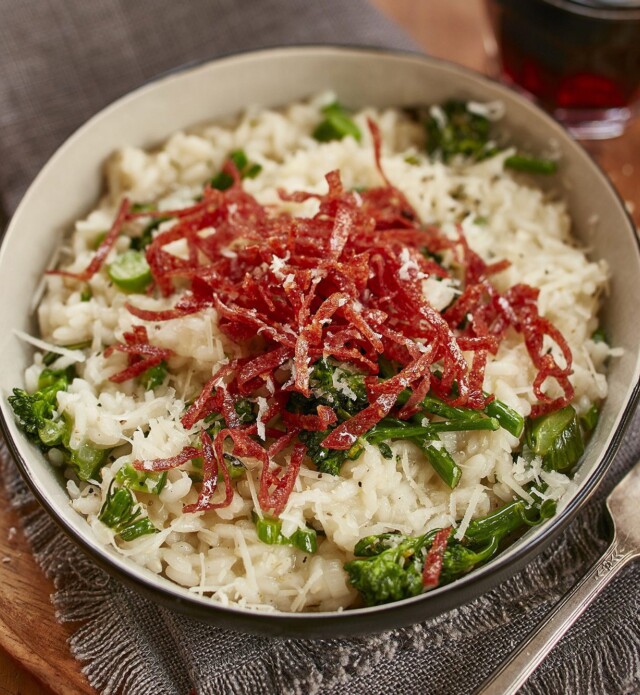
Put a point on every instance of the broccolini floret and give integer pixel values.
(336, 124)
(454, 129)
(327, 460)
(36, 416)
(389, 567)
(35, 412)
(341, 390)
(334, 386)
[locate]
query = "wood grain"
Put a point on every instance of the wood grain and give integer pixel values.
(29, 633)
(34, 656)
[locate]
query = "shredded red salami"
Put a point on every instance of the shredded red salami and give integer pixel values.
(433, 561)
(142, 355)
(103, 249)
(346, 283)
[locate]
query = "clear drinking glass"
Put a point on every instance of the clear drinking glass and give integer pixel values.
(579, 59)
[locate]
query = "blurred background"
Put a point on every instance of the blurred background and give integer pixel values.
(461, 31)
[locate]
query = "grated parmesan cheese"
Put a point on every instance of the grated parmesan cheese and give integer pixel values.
(471, 508)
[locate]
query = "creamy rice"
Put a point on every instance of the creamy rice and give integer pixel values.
(217, 553)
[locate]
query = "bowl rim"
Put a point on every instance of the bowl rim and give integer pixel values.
(357, 620)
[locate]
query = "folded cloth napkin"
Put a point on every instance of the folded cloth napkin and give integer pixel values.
(62, 61)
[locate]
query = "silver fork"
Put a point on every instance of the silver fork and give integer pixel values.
(624, 508)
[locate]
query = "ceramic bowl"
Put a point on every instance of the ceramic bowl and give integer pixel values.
(71, 183)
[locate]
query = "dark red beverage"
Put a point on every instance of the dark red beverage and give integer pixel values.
(579, 60)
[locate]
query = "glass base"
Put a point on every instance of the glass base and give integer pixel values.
(584, 124)
(594, 124)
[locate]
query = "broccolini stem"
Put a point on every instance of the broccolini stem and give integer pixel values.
(396, 430)
(531, 165)
(443, 464)
(436, 406)
(508, 418)
(505, 520)
(485, 423)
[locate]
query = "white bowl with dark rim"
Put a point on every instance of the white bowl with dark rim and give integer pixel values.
(71, 183)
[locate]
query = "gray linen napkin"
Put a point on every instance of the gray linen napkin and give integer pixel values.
(62, 60)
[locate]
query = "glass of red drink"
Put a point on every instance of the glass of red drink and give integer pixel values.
(579, 59)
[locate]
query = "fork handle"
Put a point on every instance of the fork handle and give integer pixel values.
(518, 666)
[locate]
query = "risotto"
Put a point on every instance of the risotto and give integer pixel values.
(310, 358)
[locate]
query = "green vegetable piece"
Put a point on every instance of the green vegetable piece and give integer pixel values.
(385, 579)
(252, 171)
(143, 527)
(143, 207)
(141, 481)
(333, 386)
(557, 438)
(87, 460)
(50, 357)
(56, 379)
(508, 418)
(117, 507)
(443, 464)
(245, 410)
(531, 165)
(399, 429)
(506, 520)
(391, 564)
(600, 336)
(86, 294)
(387, 369)
(343, 391)
(154, 376)
(461, 559)
(247, 170)
(120, 513)
(130, 271)
(140, 243)
(239, 158)
(95, 244)
(36, 415)
(35, 412)
(222, 181)
(269, 532)
(589, 420)
(385, 450)
(31, 411)
(430, 255)
(235, 467)
(436, 406)
(325, 460)
(374, 545)
(336, 125)
(392, 569)
(305, 539)
(53, 432)
(459, 132)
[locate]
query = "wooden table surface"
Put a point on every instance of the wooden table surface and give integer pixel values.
(34, 656)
